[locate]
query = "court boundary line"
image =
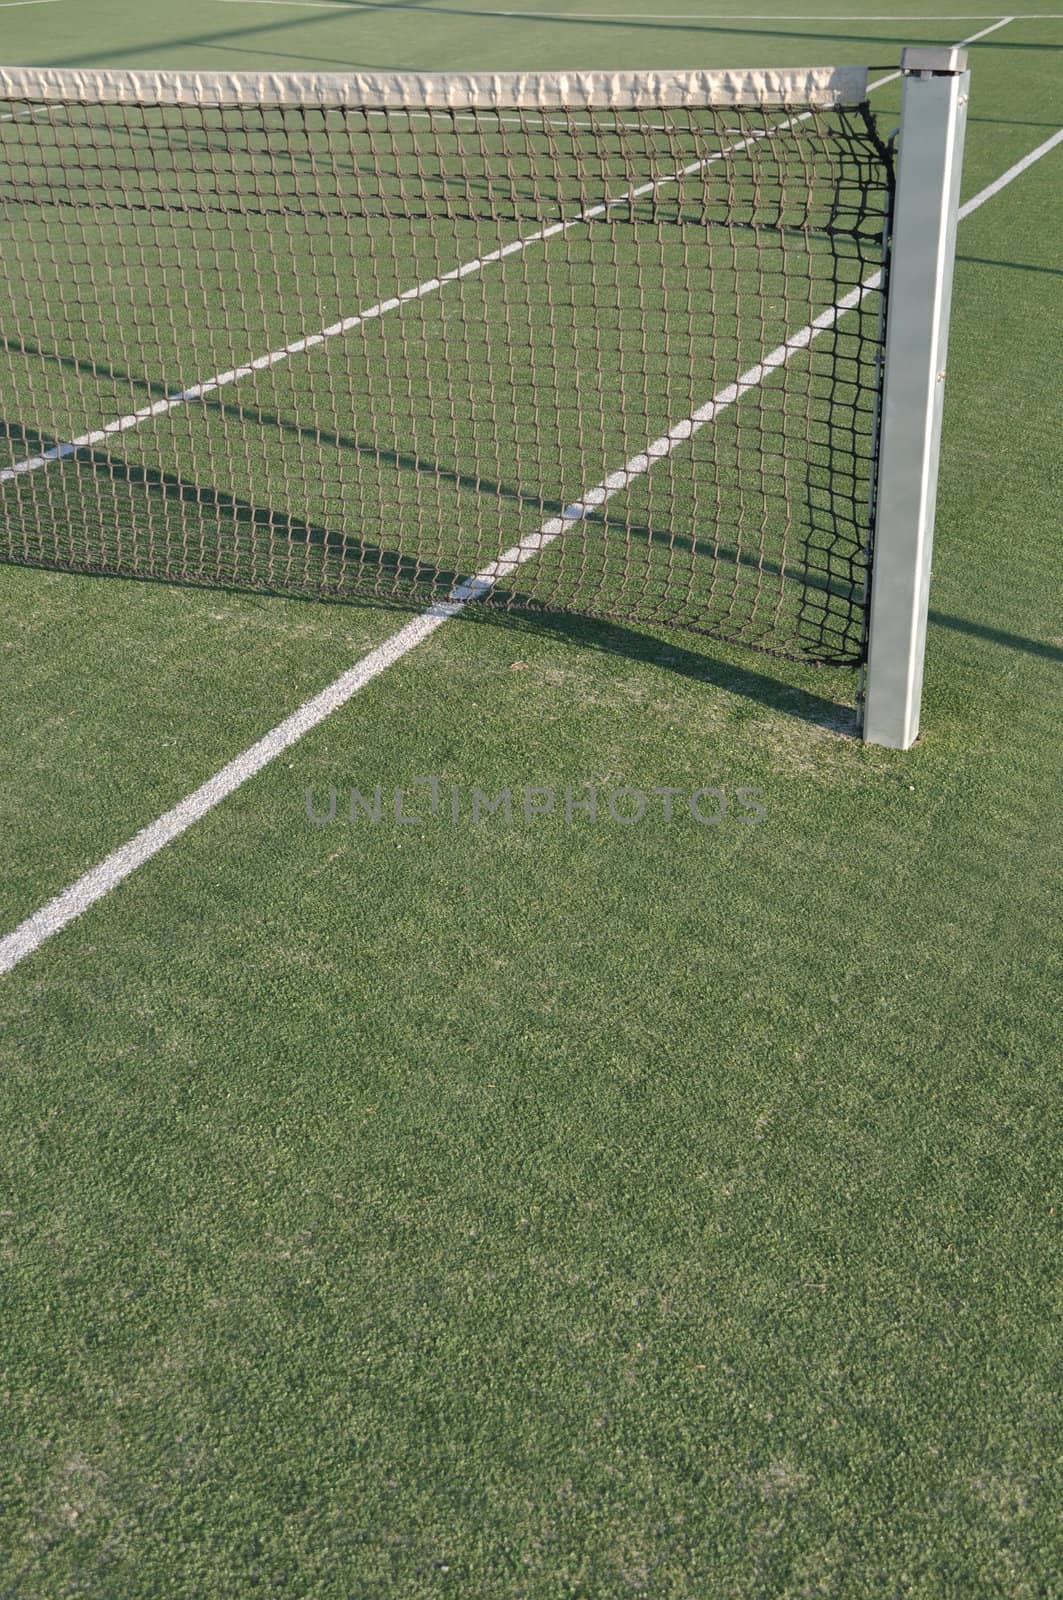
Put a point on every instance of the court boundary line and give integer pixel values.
(100, 880)
(222, 380)
(666, 16)
(972, 38)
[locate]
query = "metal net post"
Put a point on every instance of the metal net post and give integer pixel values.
(933, 120)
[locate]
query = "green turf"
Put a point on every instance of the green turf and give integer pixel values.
(553, 1209)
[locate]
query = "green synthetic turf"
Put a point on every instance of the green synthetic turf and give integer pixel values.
(548, 1209)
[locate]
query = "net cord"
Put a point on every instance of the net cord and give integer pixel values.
(819, 87)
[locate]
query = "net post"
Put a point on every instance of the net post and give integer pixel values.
(936, 85)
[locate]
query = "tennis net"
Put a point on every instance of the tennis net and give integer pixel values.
(557, 341)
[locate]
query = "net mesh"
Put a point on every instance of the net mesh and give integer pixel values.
(533, 354)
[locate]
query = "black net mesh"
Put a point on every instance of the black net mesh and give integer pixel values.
(578, 360)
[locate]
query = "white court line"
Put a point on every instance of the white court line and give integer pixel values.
(98, 882)
(637, 466)
(972, 38)
(655, 16)
(1012, 173)
(9, 5)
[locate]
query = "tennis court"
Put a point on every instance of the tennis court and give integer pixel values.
(583, 1191)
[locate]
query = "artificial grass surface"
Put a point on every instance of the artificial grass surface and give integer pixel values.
(555, 1209)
